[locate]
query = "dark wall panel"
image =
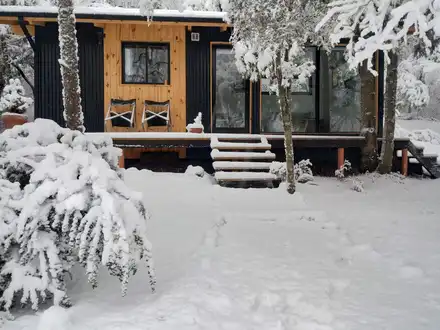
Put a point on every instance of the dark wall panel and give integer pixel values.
(91, 67)
(48, 100)
(198, 93)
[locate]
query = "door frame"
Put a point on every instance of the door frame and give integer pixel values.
(248, 93)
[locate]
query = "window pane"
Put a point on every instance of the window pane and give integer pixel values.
(146, 63)
(230, 96)
(344, 88)
(135, 64)
(303, 106)
(157, 64)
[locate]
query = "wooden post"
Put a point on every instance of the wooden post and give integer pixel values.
(341, 157)
(122, 160)
(404, 168)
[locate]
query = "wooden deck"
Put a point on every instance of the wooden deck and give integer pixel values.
(193, 140)
(135, 143)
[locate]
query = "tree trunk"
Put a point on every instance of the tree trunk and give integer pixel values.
(73, 114)
(369, 159)
(386, 156)
(284, 100)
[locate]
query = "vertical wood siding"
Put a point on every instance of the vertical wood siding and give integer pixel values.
(115, 34)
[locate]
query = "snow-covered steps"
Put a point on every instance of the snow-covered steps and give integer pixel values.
(226, 145)
(224, 165)
(429, 162)
(242, 160)
(237, 155)
(244, 176)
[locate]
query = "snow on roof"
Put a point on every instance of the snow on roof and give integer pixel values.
(108, 12)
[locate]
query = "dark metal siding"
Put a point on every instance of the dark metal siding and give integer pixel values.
(48, 99)
(91, 73)
(198, 84)
(198, 93)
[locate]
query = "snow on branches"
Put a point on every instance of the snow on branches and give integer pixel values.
(372, 25)
(147, 7)
(63, 201)
(411, 90)
(13, 99)
(265, 29)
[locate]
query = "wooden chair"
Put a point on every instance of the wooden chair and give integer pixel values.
(122, 113)
(156, 114)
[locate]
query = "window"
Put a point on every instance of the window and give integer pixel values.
(330, 103)
(145, 63)
(230, 108)
(303, 105)
(340, 109)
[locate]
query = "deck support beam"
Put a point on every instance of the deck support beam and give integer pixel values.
(341, 157)
(404, 168)
(26, 32)
(121, 161)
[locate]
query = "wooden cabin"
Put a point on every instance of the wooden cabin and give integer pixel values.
(184, 60)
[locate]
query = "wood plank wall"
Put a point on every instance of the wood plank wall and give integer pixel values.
(115, 34)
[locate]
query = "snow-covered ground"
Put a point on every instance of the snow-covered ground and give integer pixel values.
(327, 258)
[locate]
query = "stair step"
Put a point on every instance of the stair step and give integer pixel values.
(221, 165)
(235, 138)
(240, 146)
(244, 176)
(227, 155)
(430, 156)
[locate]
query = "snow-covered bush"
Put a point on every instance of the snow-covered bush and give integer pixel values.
(303, 171)
(357, 185)
(195, 170)
(63, 201)
(13, 99)
(344, 170)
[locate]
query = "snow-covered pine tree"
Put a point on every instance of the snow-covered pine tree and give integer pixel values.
(5, 67)
(63, 201)
(69, 66)
(13, 98)
(371, 26)
(269, 39)
(15, 51)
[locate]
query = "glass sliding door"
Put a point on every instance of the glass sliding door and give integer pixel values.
(340, 94)
(303, 107)
(230, 93)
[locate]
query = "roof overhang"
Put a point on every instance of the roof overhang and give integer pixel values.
(36, 15)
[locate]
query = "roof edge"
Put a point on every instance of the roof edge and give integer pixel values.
(98, 13)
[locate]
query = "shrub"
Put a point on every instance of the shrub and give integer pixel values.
(62, 202)
(303, 171)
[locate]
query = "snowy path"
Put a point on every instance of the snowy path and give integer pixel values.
(327, 258)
